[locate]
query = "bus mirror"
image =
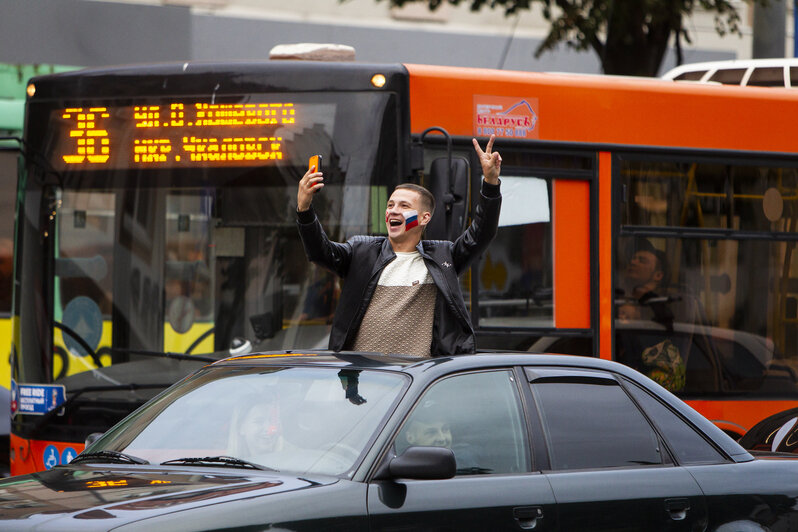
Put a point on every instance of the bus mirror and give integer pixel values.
(91, 438)
(451, 198)
(263, 325)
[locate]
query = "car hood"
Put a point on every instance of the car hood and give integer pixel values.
(87, 497)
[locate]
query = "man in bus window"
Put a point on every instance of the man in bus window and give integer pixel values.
(645, 279)
(400, 293)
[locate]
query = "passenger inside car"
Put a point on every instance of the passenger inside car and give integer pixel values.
(429, 427)
(257, 428)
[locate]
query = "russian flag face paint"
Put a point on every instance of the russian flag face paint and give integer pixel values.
(411, 219)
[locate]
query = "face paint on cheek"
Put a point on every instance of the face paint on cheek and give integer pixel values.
(411, 219)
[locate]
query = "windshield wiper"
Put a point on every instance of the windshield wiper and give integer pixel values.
(225, 461)
(108, 456)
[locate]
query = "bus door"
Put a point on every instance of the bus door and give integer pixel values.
(534, 282)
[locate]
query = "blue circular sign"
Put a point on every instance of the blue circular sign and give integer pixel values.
(67, 455)
(83, 316)
(50, 457)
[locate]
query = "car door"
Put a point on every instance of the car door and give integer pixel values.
(608, 467)
(479, 416)
(745, 495)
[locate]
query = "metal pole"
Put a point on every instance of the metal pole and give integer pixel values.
(770, 29)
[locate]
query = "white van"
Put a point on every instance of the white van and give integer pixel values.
(747, 72)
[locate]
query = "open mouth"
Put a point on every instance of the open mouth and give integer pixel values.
(395, 223)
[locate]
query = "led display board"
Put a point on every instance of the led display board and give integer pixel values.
(172, 135)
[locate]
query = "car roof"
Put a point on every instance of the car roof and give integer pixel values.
(425, 370)
(709, 68)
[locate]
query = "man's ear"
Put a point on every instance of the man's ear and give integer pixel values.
(658, 275)
(424, 218)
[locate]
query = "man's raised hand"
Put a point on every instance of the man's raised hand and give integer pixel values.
(490, 160)
(310, 183)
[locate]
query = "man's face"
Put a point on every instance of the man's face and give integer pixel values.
(401, 201)
(643, 268)
(260, 428)
(435, 434)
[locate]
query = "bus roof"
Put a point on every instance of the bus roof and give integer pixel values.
(644, 112)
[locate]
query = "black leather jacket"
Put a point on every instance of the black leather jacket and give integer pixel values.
(360, 260)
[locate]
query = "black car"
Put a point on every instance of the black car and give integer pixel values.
(320, 441)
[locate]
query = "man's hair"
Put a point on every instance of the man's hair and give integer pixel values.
(662, 265)
(644, 244)
(427, 199)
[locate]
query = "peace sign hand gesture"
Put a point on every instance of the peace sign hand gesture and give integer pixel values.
(491, 161)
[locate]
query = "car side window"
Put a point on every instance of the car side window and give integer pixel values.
(729, 76)
(593, 423)
(478, 416)
(688, 446)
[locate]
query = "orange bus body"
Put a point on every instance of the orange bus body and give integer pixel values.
(610, 110)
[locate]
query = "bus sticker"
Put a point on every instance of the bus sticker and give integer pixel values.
(514, 118)
(50, 457)
(36, 399)
(67, 455)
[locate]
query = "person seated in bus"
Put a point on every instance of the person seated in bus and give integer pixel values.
(645, 283)
(400, 293)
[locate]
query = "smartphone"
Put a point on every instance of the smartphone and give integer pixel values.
(315, 160)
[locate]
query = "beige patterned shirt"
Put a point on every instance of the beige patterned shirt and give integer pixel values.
(400, 314)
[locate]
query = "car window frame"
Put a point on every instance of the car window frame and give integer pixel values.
(627, 383)
(389, 448)
(585, 375)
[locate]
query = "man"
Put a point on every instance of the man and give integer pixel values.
(428, 427)
(428, 432)
(646, 271)
(645, 276)
(401, 293)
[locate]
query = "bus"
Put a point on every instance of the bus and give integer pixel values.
(156, 225)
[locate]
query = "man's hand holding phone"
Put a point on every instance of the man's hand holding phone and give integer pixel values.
(310, 183)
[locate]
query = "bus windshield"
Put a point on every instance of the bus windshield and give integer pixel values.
(152, 240)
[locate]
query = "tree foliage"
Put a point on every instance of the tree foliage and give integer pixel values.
(629, 36)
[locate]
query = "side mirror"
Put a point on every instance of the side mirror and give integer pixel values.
(423, 463)
(450, 189)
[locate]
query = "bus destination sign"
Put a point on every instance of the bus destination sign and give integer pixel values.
(177, 134)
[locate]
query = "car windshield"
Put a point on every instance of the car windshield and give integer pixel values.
(291, 419)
